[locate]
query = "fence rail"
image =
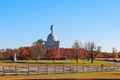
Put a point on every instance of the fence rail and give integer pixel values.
(47, 69)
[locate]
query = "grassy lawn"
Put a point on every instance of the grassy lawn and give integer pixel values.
(92, 75)
(62, 62)
(85, 75)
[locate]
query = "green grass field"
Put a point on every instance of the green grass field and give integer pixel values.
(62, 62)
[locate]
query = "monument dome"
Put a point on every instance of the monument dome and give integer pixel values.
(52, 41)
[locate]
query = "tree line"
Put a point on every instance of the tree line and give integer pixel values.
(37, 51)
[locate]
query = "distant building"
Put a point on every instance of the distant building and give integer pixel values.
(52, 41)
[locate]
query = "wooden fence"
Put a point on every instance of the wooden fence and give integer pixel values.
(48, 69)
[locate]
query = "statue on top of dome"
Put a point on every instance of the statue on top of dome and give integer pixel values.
(51, 28)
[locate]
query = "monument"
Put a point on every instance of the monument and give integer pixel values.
(15, 58)
(52, 42)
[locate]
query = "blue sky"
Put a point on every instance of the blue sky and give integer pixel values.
(24, 21)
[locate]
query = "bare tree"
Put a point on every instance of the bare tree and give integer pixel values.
(99, 49)
(76, 46)
(114, 54)
(90, 47)
(87, 49)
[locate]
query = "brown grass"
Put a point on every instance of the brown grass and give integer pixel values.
(92, 75)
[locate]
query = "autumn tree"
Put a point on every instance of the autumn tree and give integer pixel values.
(23, 53)
(37, 49)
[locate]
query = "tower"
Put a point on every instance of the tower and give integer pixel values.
(51, 42)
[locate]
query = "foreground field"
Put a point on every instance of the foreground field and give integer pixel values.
(92, 75)
(51, 62)
(82, 75)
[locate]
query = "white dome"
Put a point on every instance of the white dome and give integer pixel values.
(55, 37)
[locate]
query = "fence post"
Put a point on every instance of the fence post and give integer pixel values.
(97, 68)
(47, 69)
(63, 68)
(76, 67)
(70, 68)
(3, 70)
(83, 68)
(55, 68)
(38, 68)
(28, 69)
(15, 70)
(102, 67)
